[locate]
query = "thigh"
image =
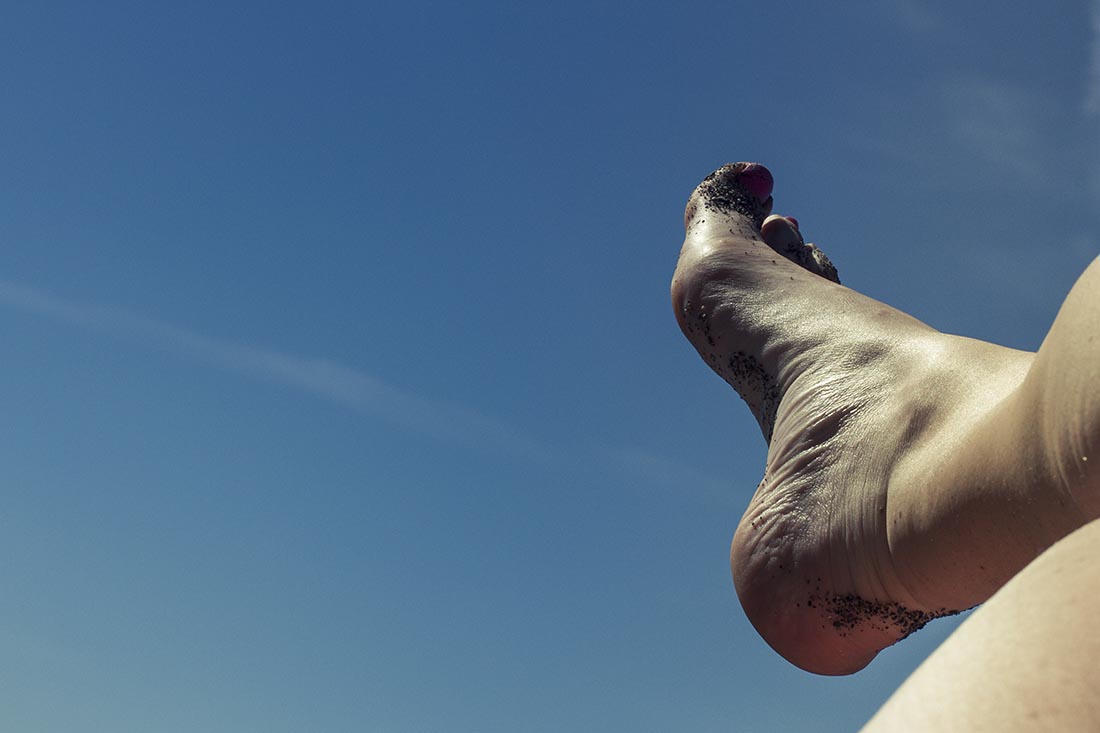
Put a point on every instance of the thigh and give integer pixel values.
(1028, 660)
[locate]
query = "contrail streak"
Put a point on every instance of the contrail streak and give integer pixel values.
(335, 382)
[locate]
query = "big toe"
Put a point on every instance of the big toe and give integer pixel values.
(734, 189)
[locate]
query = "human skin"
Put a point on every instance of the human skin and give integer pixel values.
(1025, 661)
(910, 473)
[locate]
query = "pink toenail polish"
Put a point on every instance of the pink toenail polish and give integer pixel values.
(756, 180)
(792, 220)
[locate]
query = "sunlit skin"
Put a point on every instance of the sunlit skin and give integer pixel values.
(910, 473)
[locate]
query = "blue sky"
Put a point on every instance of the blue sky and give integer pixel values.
(342, 390)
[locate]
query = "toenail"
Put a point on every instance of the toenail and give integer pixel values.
(744, 188)
(756, 180)
(792, 220)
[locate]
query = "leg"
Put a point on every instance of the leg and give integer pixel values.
(1063, 392)
(1025, 661)
(1022, 471)
(903, 480)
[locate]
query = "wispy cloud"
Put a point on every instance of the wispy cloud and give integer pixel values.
(643, 465)
(356, 390)
(915, 16)
(1092, 92)
(353, 389)
(995, 129)
(323, 378)
(1091, 102)
(1002, 123)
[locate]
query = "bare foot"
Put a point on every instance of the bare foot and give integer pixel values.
(888, 495)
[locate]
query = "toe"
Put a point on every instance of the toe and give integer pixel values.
(781, 233)
(736, 188)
